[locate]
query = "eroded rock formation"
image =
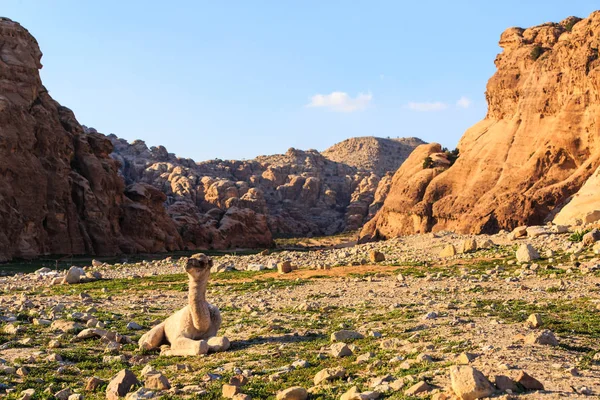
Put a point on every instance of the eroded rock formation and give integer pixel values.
(59, 189)
(538, 144)
(299, 193)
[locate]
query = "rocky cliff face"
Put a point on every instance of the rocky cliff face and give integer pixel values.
(538, 144)
(59, 189)
(299, 193)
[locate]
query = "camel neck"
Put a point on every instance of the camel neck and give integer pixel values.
(198, 306)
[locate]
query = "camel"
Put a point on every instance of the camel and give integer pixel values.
(188, 329)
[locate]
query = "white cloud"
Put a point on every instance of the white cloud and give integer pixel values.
(464, 102)
(433, 106)
(341, 101)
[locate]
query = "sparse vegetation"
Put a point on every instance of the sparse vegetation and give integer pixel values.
(536, 52)
(428, 163)
(578, 235)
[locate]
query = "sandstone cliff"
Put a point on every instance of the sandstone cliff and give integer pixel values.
(299, 193)
(538, 144)
(59, 189)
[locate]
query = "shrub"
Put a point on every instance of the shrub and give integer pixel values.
(578, 236)
(452, 156)
(427, 162)
(536, 52)
(569, 26)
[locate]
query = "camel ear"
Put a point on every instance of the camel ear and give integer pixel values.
(210, 262)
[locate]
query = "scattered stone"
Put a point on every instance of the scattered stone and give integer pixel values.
(505, 383)
(448, 251)
(93, 383)
(74, 275)
(419, 387)
(465, 358)
(134, 326)
(527, 253)
(344, 335)
(340, 349)
(229, 391)
(376, 256)
(293, 393)
(518, 232)
(468, 246)
(329, 374)
(218, 344)
(469, 383)
(157, 381)
(63, 394)
(529, 382)
(284, 267)
(591, 237)
(121, 384)
(544, 337)
(534, 321)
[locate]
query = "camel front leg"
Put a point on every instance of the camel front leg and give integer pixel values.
(153, 338)
(183, 346)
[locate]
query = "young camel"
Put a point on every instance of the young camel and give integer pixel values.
(188, 329)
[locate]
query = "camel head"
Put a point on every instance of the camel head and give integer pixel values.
(198, 266)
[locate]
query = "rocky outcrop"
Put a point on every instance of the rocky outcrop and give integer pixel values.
(538, 144)
(373, 154)
(67, 189)
(299, 193)
(59, 192)
(584, 206)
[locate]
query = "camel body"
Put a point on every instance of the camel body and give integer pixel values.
(188, 329)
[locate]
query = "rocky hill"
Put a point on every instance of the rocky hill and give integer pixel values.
(537, 146)
(59, 189)
(373, 154)
(300, 193)
(61, 192)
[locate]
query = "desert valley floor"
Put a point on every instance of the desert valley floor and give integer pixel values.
(389, 329)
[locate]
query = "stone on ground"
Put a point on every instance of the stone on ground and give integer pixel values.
(527, 253)
(345, 335)
(293, 393)
(529, 382)
(121, 384)
(469, 383)
(448, 251)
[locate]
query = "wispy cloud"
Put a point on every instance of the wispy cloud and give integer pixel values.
(341, 101)
(424, 107)
(464, 102)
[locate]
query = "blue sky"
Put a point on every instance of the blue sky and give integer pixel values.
(237, 79)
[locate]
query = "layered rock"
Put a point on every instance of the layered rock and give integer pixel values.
(299, 193)
(60, 192)
(538, 144)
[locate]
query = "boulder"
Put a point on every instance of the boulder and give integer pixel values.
(376, 256)
(468, 246)
(345, 334)
(329, 374)
(74, 275)
(469, 383)
(527, 253)
(121, 384)
(218, 344)
(448, 251)
(293, 393)
(284, 267)
(529, 382)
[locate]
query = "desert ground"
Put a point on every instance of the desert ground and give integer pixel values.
(390, 329)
